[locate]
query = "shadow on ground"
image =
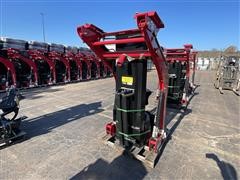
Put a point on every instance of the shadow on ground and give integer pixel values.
(172, 113)
(227, 170)
(44, 124)
(176, 113)
(122, 168)
(34, 92)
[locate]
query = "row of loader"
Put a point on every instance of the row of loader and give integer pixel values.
(31, 64)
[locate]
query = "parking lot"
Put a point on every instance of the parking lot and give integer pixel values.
(66, 123)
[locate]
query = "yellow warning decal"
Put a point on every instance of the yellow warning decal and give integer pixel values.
(127, 80)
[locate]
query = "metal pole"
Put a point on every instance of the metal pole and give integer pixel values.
(43, 27)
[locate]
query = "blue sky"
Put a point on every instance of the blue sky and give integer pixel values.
(206, 24)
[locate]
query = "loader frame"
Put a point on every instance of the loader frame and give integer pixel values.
(148, 25)
(93, 59)
(80, 56)
(10, 71)
(180, 87)
(69, 56)
(56, 56)
(15, 54)
(228, 74)
(37, 55)
(193, 59)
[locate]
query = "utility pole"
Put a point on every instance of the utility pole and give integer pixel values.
(43, 27)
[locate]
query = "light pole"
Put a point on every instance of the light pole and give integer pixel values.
(43, 26)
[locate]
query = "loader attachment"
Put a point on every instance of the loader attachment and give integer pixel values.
(126, 53)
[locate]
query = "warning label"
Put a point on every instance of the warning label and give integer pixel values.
(127, 80)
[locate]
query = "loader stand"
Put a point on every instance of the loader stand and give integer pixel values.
(180, 87)
(45, 67)
(26, 69)
(62, 67)
(134, 129)
(193, 59)
(228, 75)
(75, 66)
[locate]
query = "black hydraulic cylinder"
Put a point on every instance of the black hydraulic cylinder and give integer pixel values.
(130, 101)
(176, 73)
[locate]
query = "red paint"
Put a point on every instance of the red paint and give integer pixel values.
(15, 54)
(111, 129)
(9, 65)
(148, 25)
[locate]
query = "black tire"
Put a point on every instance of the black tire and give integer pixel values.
(13, 41)
(38, 45)
(57, 47)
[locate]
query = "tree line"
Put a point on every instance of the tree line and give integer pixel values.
(229, 51)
